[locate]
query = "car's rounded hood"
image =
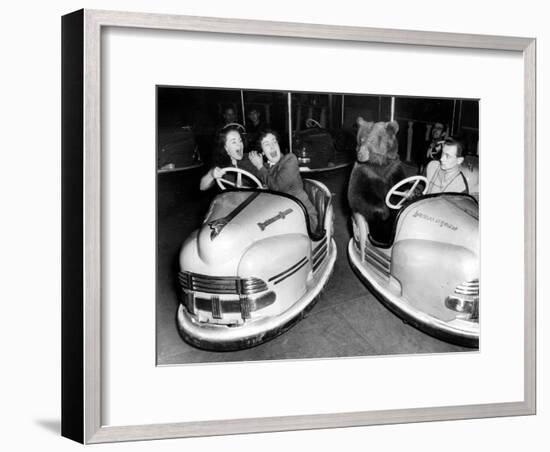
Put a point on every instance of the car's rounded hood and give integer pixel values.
(436, 250)
(235, 221)
(450, 219)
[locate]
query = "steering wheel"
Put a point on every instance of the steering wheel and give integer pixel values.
(223, 182)
(310, 122)
(236, 125)
(414, 180)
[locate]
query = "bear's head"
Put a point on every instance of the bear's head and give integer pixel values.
(376, 142)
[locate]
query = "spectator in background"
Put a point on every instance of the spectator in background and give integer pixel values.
(436, 144)
(229, 116)
(254, 127)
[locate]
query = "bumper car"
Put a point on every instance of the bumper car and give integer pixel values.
(177, 149)
(314, 147)
(428, 272)
(470, 169)
(254, 268)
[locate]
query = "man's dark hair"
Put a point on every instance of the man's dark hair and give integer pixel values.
(454, 142)
(266, 132)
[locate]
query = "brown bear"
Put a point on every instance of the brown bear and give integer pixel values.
(378, 168)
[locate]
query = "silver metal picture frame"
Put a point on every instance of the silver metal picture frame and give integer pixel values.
(82, 218)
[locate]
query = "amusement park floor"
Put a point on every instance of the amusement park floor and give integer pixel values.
(346, 321)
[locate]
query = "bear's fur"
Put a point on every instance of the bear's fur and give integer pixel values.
(377, 169)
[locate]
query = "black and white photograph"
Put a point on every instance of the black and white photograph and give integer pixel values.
(296, 225)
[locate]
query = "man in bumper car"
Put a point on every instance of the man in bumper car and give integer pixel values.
(282, 172)
(445, 175)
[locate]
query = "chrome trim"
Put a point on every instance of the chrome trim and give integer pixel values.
(245, 307)
(320, 250)
(189, 298)
(380, 262)
(470, 288)
(236, 306)
(222, 285)
(288, 269)
(319, 255)
(291, 273)
(321, 243)
(465, 299)
(463, 306)
(216, 307)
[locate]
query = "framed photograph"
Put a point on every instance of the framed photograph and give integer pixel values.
(279, 226)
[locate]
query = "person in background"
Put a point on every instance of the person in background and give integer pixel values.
(434, 145)
(445, 175)
(229, 116)
(281, 173)
(229, 152)
(254, 127)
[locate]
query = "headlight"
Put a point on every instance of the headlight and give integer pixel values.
(465, 300)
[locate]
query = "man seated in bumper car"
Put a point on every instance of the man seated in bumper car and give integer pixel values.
(282, 173)
(445, 175)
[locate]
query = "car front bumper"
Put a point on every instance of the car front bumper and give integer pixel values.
(210, 336)
(457, 331)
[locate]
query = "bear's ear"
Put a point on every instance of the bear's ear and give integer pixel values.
(392, 127)
(365, 126)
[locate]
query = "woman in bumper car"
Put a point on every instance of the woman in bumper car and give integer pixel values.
(282, 172)
(229, 152)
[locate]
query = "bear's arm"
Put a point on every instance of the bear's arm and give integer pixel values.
(396, 175)
(367, 193)
(368, 189)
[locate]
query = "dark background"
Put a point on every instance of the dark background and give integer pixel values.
(200, 109)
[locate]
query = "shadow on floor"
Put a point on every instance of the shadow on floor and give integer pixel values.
(51, 425)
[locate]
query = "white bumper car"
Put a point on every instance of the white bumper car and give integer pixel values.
(428, 274)
(254, 268)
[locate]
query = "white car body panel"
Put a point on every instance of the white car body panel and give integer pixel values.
(434, 254)
(257, 240)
